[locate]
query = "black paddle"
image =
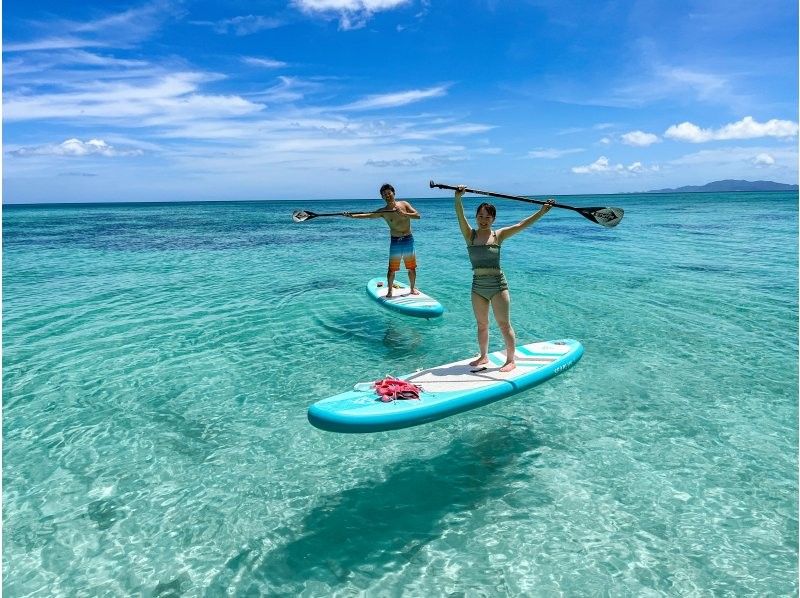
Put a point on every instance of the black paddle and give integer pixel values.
(303, 215)
(608, 217)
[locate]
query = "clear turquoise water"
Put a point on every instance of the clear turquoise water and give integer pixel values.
(158, 361)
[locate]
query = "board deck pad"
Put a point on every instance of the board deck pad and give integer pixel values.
(446, 390)
(402, 301)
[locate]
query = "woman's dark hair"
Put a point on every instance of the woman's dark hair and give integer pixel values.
(489, 208)
(385, 187)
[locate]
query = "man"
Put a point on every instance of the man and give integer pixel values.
(398, 215)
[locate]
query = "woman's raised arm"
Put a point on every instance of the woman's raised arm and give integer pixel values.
(466, 229)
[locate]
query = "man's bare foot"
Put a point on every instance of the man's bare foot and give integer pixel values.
(479, 361)
(414, 291)
(389, 295)
(507, 367)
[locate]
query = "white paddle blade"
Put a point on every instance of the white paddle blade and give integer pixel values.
(300, 216)
(608, 217)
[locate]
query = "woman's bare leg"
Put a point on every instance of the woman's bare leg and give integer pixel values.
(501, 306)
(480, 307)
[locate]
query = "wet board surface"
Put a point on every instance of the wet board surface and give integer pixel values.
(402, 301)
(446, 390)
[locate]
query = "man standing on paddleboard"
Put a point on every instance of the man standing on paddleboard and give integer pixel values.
(398, 215)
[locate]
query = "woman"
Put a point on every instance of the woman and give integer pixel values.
(489, 286)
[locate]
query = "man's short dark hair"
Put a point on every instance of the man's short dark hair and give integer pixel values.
(386, 186)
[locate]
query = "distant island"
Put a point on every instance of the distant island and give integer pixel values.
(731, 185)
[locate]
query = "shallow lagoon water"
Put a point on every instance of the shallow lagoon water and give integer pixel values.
(158, 360)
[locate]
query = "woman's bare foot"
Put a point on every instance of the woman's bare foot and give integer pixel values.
(507, 367)
(480, 361)
(414, 291)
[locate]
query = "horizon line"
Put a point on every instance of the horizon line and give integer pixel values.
(229, 201)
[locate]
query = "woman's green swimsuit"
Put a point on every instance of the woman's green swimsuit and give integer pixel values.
(486, 256)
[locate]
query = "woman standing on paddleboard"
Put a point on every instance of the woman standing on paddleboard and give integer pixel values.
(489, 286)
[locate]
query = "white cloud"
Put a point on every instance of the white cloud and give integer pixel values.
(287, 89)
(553, 153)
(640, 138)
(393, 100)
(267, 63)
(603, 166)
(747, 128)
(763, 159)
(54, 43)
(597, 127)
(738, 157)
(348, 5)
(660, 82)
(76, 148)
(352, 14)
(168, 97)
(705, 85)
(599, 165)
(117, 30)
(460, 129)
(242, 25)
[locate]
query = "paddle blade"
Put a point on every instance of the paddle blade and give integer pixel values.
(608, 217)
(302, 215)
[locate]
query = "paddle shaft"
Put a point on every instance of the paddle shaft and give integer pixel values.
(503, 196)
(311, 215)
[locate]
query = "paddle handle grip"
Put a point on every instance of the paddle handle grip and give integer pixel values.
(500, 195)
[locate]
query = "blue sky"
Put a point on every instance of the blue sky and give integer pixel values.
(184, 100)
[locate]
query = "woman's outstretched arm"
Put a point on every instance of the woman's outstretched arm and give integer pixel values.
(509, 231)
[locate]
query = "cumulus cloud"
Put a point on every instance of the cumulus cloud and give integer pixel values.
(76, 148)
(747, 128)
(763, 159)
(352, 14)
(640, 138)
(603, 165)
(599, 165)
(553, 153)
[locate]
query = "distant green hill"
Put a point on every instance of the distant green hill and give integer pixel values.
(731, 185)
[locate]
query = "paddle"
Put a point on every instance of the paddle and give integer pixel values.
(608, 217)
(303, 215)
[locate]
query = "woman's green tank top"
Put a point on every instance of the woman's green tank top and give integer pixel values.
(484, 256)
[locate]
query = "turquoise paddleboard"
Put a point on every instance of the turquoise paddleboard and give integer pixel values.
(402, 301)
(446, 390)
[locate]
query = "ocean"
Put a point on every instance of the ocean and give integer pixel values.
(158, 361)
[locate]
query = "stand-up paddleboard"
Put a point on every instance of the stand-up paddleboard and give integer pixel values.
(402, 301)
(446, 390)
